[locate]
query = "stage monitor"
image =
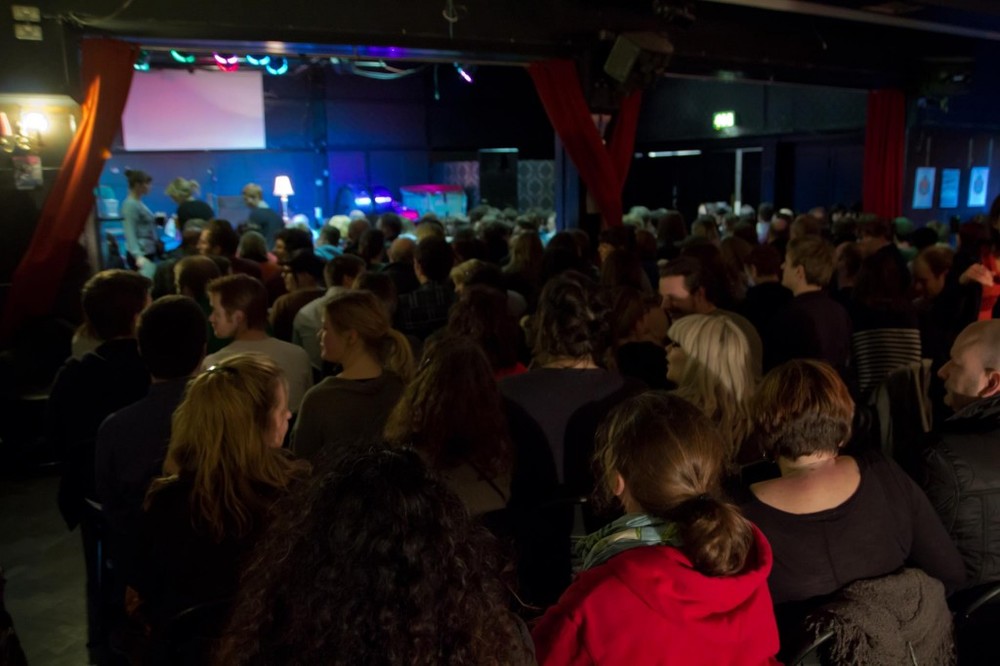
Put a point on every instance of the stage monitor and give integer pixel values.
(176, 109)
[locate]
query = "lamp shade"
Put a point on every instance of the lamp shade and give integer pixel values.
(283, 186)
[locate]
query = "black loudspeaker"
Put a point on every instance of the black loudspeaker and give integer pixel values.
(498, 177)
(945, 77)
(638, 58)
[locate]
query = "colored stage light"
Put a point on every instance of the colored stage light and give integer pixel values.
(227, 63)
(463, 73)
(279, 70)
(258, 62)
(183, 58)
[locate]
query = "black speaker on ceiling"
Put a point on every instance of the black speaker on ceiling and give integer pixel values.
(638, 58)
(498, 177)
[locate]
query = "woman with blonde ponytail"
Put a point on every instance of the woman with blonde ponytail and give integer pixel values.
(350, 409)
(681, 578)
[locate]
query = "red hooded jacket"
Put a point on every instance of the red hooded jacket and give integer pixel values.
(649, 605)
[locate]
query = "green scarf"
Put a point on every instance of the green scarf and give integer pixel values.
(632, 530)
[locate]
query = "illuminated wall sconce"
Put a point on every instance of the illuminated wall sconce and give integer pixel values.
(283, 189)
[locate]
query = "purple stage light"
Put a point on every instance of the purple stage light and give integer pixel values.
(464, 74)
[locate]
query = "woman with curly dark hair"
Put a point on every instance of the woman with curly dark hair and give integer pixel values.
(553, 412)
(464, 440)
(376, 563)
(481, 315)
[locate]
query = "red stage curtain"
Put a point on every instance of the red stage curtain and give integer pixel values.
(885, 153)
(106, 74)
(602, 169)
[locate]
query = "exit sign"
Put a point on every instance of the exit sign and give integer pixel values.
(724, 120)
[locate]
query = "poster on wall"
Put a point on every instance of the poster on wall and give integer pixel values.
(923, 188)
(979, 180)
(949, 187)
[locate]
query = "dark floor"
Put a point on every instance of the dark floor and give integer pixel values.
(43, 563)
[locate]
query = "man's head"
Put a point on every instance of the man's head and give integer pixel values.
(303, 270)
(112, 301)
(682, 288)
(764, 264)
(192, 274)
(809, 264)
(290, 239)
(343, 270)
(805, 225)
(172, 334)
(329, 235)
(252, 195)
(402, 250)
(219, 238)
(973, 371)
(391, 225)
(433, 260)
(239, 303)
(357, 227)
(873, 233)
(930, 270)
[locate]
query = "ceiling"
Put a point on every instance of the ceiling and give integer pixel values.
(848, 43)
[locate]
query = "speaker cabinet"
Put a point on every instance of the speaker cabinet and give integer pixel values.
(498, 177)
(638, 58)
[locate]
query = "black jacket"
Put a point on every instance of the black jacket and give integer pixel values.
(961, 476)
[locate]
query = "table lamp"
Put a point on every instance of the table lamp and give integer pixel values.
(283, 189)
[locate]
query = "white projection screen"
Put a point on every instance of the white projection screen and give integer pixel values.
(182, 110)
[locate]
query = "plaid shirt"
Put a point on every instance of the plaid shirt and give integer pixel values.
(425, 310)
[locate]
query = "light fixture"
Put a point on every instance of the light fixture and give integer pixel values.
(258, 62)
(673, 153)
(279, 70)
(142, 62)
(183, 58)
(463, 73)
(34, 121)
(227, 63)
(283, 189)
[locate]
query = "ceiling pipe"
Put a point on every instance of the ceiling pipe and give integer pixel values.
(860, 16)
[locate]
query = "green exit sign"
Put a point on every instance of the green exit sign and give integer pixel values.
(724, 120)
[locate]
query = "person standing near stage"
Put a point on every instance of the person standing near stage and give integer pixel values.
(262, 219)
(139, 225)
(182, 191)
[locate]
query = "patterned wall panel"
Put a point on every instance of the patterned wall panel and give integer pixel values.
(465, 174)
(536, 184)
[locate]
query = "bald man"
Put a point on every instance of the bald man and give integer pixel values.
(961, 472)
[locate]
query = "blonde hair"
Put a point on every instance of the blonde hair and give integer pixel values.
(218, 442)
(361, 311)
(253, 190)
(461, 273)
(182, 188)
(717, 376)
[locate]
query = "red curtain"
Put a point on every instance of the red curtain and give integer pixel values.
(885, 153)
(107, 74)
(602, 168)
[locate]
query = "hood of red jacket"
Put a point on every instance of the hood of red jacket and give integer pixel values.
(683, 589)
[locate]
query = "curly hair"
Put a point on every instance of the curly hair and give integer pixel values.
(376, 562)
(572, 321)
(481, 314)
(436, 416)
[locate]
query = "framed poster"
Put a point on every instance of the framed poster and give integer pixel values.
(979, 182)
(923, 188)
(949, 187)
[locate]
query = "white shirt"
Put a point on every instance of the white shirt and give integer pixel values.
(308, 322)
(290, 358)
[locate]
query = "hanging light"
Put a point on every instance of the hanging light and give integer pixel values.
(227, 63)
(279, 70)
(182, 58)
(142, 62)
(258, 62)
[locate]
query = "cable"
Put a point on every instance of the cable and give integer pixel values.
(81, 20)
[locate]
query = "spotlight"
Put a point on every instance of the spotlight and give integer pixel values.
(463, 73)
(142, 62)
(279, 70)
(258, 62)
(227, 63)
(183, 58)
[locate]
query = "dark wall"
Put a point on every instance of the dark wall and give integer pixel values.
(683, 109)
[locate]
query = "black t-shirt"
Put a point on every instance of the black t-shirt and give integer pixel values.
(193, 210)
(886, 523)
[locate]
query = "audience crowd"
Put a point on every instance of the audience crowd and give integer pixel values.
(480, 442)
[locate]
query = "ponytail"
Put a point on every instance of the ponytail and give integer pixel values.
(397, 355)
(714, 535)
(671, 458)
